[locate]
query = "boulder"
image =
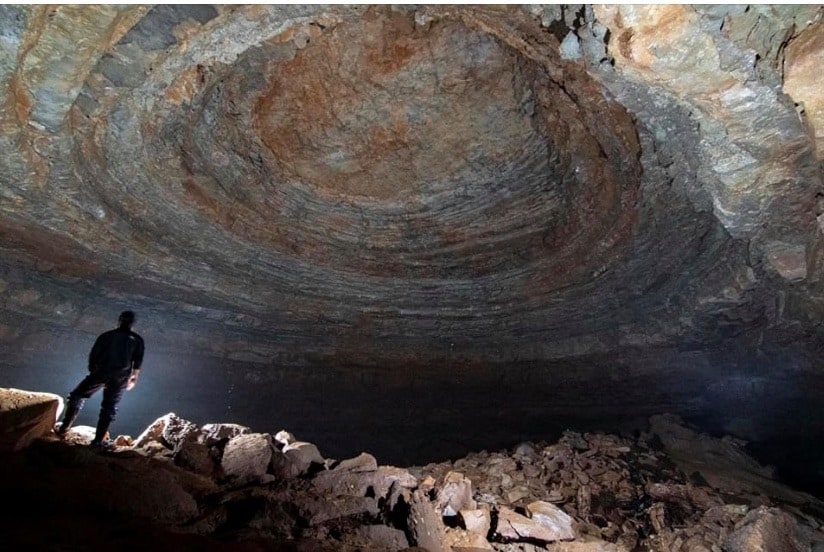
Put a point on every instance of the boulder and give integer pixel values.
(177, 430)
(216, 434)
(552, 518)
(80, 435)
(121, 486)
(427, 484)
(152, 433)
(684, 443)
(337, 507)
(139, 489)
(26, 416)
(685, 496)
(525, 449)
(381, 537)
(425, 525)
(455, 495)
(296, 459)
(170, 429)
(477, 520)
(153, 449)
(459, 540)
(284, 437)
(124, 441)
(364, 462)
(195, 457)
(516, 494)
(377, 483)
(302, 455)
(514, 526)
(247, 457)
(766, 530)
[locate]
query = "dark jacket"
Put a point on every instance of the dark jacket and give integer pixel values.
(118, 350)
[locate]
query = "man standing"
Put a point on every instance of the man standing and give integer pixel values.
(114, 366)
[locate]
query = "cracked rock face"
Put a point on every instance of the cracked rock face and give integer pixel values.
(425, 201)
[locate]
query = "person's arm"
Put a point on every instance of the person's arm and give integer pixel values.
(133, 379)
(137, 361)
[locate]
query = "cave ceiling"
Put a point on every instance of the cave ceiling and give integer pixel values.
(379, 185)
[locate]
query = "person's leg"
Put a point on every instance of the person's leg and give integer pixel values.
(112, 394)
(85, 389)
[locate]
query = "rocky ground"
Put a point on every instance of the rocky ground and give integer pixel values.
(223, 486)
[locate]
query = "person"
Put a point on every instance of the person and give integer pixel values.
(114, 366)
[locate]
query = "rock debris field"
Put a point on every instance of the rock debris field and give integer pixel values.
(222, 486)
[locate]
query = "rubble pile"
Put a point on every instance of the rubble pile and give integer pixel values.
(625, 492)
(587, 492)
(584, 493)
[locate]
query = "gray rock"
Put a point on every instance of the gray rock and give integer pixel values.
(766, 530)
(284, 437)
(195, 457)
(303, 453)
(337, 507)
(789, 260)
(364, 462)
(141, 490)
(384, 538)
(25, 416)
(571, 46)
(526, 449)
(247, 457)
(170, 429)
(459, 540)
(377, 483)
(176, 430)
(514, 526)
(477, 520)
(296, 459)
(425, 525)
(552, 518)
(214, 434)
(455, 495)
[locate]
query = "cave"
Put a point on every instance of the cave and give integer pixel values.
(424, 230)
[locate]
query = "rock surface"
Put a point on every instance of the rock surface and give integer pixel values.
(766, 530)
(26, 416)
(248, 456)
(514, 526)
(552, 518)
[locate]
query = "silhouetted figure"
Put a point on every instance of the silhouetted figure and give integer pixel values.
(114, 366)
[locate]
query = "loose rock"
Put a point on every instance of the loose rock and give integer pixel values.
(247, 457)
(25, 416)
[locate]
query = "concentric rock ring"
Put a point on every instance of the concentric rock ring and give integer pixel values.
(309, 187)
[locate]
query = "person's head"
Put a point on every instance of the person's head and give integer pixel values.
(126, 319)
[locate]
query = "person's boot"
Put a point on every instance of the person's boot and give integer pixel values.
(69, 417)
(100, 441)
